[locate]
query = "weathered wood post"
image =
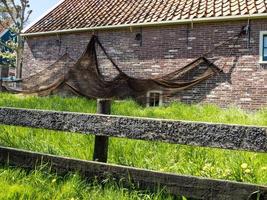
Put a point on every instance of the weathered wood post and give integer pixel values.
(101, 142)
(1, 85)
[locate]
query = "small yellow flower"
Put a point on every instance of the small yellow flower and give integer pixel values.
(247, 171)
(244, 166)
(207, 166)
(54, 180)
(264, 168)
(227, 172)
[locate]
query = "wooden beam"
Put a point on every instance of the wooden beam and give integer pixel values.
(101, 142)
(189, 186)
(249, 138)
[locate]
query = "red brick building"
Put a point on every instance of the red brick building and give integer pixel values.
(150, 38)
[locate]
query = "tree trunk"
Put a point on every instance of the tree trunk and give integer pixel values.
(19, 53)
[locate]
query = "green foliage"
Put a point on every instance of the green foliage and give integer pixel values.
(216, 163)
(8, 50)
(9, 58)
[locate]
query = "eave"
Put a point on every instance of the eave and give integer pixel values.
(148, 24)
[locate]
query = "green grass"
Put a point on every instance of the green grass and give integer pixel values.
(216, 163)
(17, 184)
(179, 111)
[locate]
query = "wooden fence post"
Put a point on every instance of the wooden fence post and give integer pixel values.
(1, 85)
(101, 142)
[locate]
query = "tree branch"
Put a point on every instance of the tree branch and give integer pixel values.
(22, 13)
(15, 6)
(28, 15)
(9, 11)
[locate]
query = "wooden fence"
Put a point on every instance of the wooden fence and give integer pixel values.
(233, 137)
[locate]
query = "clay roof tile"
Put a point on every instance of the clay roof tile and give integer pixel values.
(72, 14)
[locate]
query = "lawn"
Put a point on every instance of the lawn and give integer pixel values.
(216, 163)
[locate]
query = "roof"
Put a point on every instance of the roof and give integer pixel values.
(2, 30)
(4, 26)
(94, 14)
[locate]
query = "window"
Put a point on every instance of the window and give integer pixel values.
(264, 53)
(154, 98)
(263, 47)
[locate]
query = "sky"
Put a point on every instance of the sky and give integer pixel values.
(39, 7)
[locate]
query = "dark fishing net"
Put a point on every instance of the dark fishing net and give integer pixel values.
(85, 79)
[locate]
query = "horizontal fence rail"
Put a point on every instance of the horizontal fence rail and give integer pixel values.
(236, 137)
(171, 131)
(189, 186)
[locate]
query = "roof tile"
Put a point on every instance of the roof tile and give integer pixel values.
(72, 14)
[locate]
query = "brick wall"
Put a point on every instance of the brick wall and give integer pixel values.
(164, 49)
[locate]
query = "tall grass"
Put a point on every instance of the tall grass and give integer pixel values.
(216, 163)
(176, 110)
(17, 184)
(199, 161)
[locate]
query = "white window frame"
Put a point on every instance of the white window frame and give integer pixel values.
(261, 61)
(154, 91)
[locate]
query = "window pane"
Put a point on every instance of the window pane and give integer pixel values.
(265, 41)
(154, 99)
(151, 99)
(265, 52)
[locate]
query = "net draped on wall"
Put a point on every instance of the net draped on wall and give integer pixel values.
(85, 79)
